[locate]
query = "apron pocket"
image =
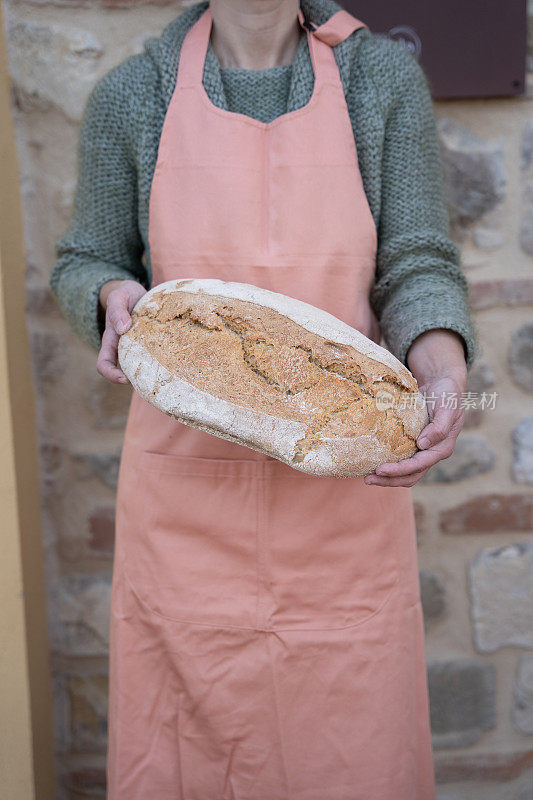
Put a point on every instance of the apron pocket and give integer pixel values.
(186, 529)
(331, 548)
(256, 544)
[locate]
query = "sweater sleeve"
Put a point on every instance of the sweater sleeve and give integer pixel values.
(103, 241)
(419, 282)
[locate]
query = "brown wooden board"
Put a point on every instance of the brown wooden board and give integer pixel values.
(468, 48)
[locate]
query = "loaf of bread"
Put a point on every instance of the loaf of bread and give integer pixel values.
(274, 374)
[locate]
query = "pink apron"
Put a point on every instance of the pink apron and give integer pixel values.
(266, 628)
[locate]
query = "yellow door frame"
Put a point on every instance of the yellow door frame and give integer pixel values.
(26, 734)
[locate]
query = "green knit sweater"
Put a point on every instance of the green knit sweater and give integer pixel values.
(419, 284)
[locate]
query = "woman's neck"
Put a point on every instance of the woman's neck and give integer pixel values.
(254, 34)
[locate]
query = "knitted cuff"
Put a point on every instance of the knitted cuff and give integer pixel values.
(465, 331)
(79, 298)
(400, 325)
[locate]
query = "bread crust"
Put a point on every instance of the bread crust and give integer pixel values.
(366, 407)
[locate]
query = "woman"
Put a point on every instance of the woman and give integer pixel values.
(266, 626)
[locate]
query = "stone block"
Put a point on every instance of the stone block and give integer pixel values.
(102, 531)
(489, 766)
(86, 782)
(474, 171)
(487, 238)
(523, 452)
(433, 596)
(51, 456)
(521, 357)
(103, 466)
(108, 403)
(501, 597)
(79, 615)
(462, 701)
(480, 377)
(473, 418)
(48, 356)
(526, 222)
(524, 792)
(51, 460)
(52, 65)
(420, 520)
(88, 712)
(471, 456)
(504, 292)
(522, 711)
(81, 694)
(40, 300)
(489, 512)
(527, 133)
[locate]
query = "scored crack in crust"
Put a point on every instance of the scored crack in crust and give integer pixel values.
(254, 357)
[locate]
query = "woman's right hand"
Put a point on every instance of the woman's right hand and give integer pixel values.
(117, 299)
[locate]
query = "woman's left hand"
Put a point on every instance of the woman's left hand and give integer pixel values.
(436, 359)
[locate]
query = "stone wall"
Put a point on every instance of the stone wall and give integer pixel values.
(474, 511)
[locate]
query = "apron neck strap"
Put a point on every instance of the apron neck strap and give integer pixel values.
(336, 29)
(196, 41)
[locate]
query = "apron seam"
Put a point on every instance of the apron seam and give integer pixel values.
(257, 553)
(346, 259)
(243, 118)
(261, 547)
(177, 621)
(276, 705)
(266, 191)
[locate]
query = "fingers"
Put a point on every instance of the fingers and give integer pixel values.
(402, 473)
(120, 303)
(118, 313)
(408, 471)
(402, 480)
(438, 429)
(107, 357)
(423, 459)
(135, 292)
(436, 441)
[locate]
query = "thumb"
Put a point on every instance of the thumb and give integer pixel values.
(438, 429)
(119, 315)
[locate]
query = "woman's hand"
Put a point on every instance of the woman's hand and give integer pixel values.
(436, 359)
(117, 299)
